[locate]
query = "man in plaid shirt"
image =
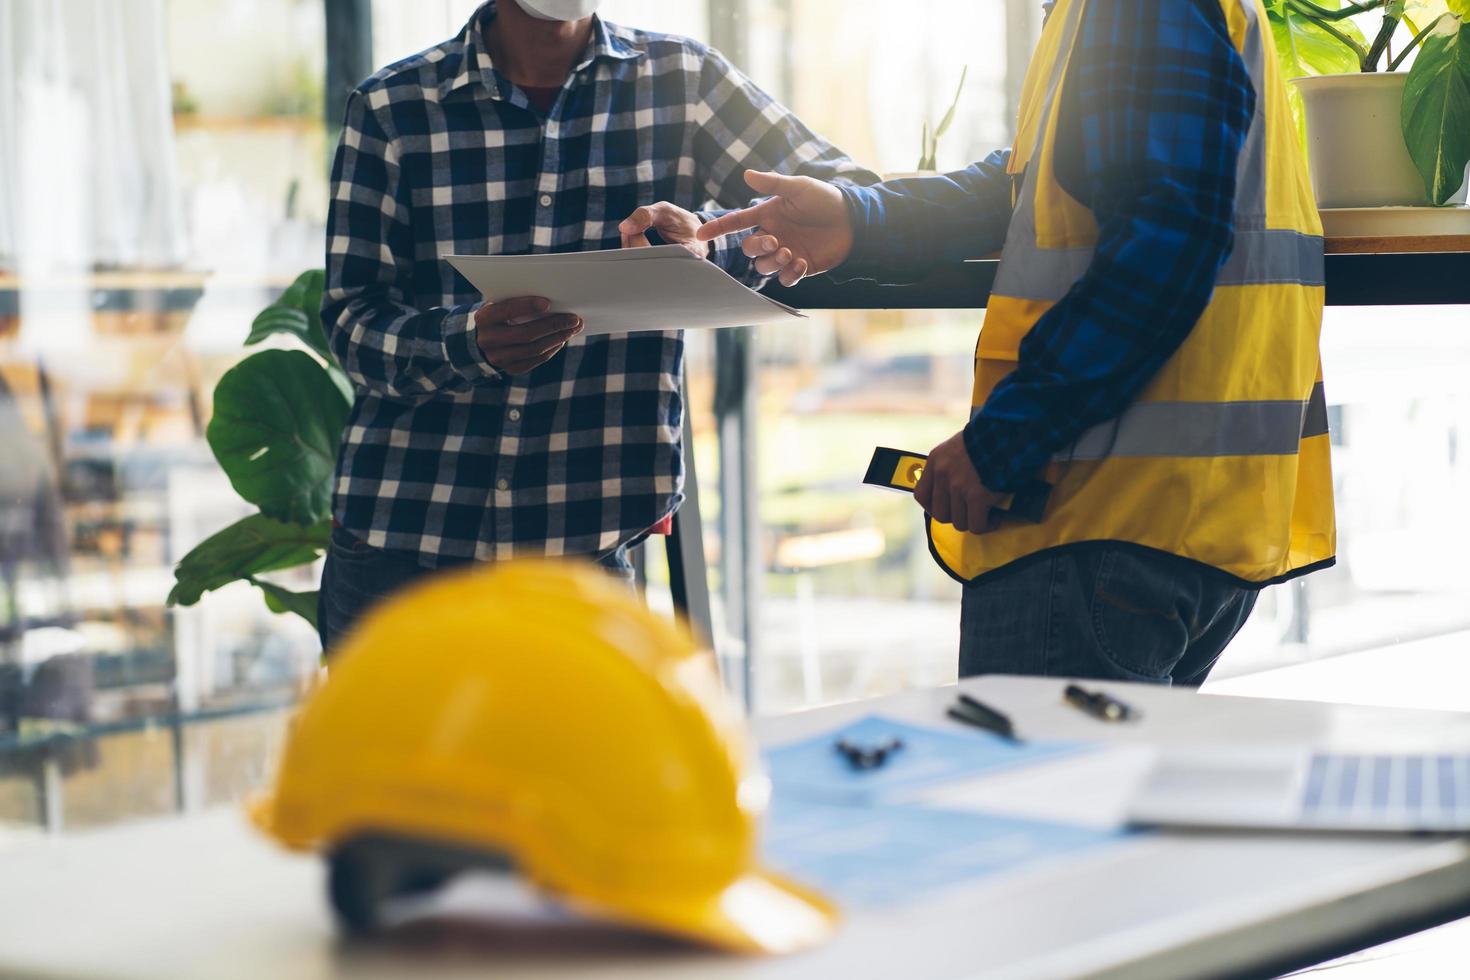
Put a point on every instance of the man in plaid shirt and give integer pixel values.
(481, 432)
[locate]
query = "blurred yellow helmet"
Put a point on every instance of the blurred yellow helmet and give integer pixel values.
(537, 713)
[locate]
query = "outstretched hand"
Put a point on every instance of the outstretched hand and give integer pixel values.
(803, 228)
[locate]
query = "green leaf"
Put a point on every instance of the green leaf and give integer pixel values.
(1304, 48)
(954, 104)
(278, 419)
(279, 600)
(1436, 114)
(343, 383)
(245, 549)
(1425, 11)
(298, 312)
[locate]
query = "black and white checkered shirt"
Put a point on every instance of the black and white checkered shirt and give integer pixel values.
(443, 457)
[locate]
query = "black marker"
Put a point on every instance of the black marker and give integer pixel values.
(1101, 706)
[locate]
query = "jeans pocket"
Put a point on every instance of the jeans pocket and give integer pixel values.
(358, 578)
(1136, 617)
(346, 548)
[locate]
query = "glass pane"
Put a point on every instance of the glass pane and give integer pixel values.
(1400, 418)
(154, 200)
(853, 604)
(872, 90)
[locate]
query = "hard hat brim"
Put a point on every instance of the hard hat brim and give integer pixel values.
(761, 912)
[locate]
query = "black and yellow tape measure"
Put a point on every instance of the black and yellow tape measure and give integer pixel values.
(896, 469)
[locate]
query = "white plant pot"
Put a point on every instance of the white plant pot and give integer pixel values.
(1355, 142)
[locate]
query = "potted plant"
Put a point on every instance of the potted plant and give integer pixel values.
(1380, 137)
(931, 135)
(929, 159)
(277, 423)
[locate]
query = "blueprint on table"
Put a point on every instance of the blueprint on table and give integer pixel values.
(876, 856)
(813, 768)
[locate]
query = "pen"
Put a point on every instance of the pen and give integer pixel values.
(1101, 706)
(973, 712)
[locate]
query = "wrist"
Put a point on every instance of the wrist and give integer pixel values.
(990, 446)
(864, 218)
(462, 349)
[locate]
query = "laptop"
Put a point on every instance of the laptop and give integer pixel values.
(1309, 790)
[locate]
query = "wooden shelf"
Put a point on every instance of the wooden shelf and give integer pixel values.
(1398, 245)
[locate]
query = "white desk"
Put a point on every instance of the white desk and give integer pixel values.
(205, 898)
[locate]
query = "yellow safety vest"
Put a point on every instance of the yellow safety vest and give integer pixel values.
(1224, 457)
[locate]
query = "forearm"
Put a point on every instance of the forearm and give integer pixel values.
(904, 229)
(385, 345)
(409, 355)
(1095, 351)
(735, 115)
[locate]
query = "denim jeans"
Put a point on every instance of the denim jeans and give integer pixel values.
(357, 577)
(1103, 612)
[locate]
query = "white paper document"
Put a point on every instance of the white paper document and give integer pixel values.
(664, 287)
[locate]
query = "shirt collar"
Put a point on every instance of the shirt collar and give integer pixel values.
(467, 62)
(613, 42)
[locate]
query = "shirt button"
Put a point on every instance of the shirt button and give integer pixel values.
(515, 415)
(502, 484)
(546, 200)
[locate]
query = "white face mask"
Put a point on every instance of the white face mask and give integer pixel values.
(560, 9)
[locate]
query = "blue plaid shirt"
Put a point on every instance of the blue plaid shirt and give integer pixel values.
(443, 457)
(1156, 107)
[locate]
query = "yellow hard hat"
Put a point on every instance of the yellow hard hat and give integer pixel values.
(537, 712)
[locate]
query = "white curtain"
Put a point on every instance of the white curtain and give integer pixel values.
(9, 130)
(88, 177)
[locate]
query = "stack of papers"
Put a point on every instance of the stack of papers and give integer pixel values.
(664, 287)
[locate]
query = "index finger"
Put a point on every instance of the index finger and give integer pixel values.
(727, 224)
(638, 222)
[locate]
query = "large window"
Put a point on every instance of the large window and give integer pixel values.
(154, 197)
(162, 177)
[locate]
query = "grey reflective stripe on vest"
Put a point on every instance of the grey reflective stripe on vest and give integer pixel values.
(1195, 429)
(1250, 171)
(1259, 258)
(1275, 255)
(1028, 272)
(1021, 231)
